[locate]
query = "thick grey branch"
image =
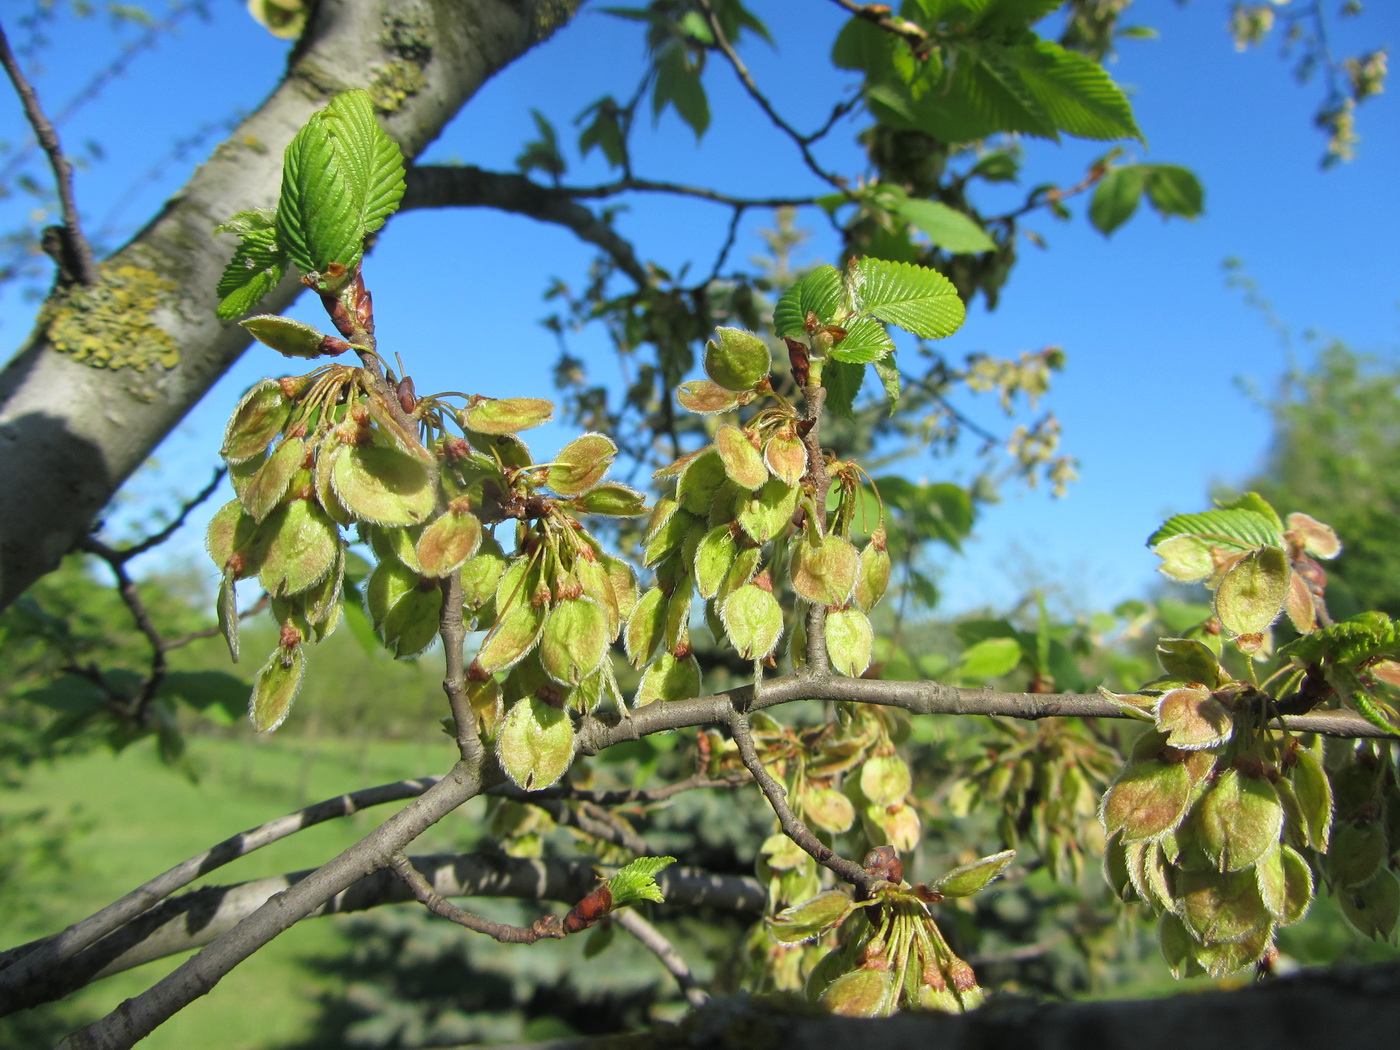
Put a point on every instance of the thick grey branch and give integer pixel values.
(466, 186)
(195, 919)
(70, 433)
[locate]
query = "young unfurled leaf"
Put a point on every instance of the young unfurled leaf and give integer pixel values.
(581, 464)
(508, 415)
(536, 743)
(807, 921)
(820, 292)
(737, 360)
(916, 298)
(967, 879)
(342, 178)
(637, 881)
(275, 686)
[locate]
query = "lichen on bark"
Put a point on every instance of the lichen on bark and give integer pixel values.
(111, 324)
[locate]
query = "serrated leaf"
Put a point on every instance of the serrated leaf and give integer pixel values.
(1079, 97)
(637, 881)
(842, 380)
(888, 371)
(257, 267)
(677, 84)
(916, 298)
(866, 340)
(1239, 530)
(820, 293)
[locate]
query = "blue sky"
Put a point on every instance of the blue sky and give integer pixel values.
(1157, 344)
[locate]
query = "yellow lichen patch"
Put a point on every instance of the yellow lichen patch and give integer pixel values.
(393, 83)
(110, 324)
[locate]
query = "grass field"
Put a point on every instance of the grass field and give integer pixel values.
(121, 819)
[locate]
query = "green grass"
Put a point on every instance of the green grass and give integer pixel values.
(124, 818)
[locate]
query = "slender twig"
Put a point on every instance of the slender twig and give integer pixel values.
(52, 952)
(879, 14)
(814, 399)
(186, 509)
(726, 248)
(592, 820)
(656, 942)
(792, 826)
(454, 682)
(78, 252)
(803, 142)
(439, 905)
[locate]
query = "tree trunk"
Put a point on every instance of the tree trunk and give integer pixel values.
(111, 368)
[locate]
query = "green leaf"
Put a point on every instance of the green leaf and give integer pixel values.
(1173, 190)
(947, 228)
(888, 371)
(637, 881)
(1240, 530)
(1116, 198)
(989, 82)
(916, 298)
(820, 292)
(258, 266)
(842, 380)
(604, 131)
(866, 341)
(342, 177)
(990, 658)
(1076, 93)
(678, 84)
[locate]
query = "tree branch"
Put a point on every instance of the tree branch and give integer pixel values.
(656, 942)
(195, 919)
(75, 257)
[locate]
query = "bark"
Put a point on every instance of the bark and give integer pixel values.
(195, 919)
(1355, 1008)
(70, 432)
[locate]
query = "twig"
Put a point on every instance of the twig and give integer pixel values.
(793, 828)
(655, 942)
(803, 142)
(454, 682)
(19, 965)
(77, 254)
(879, 14)
(438, 905)
(595, 821)
(186, 509)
